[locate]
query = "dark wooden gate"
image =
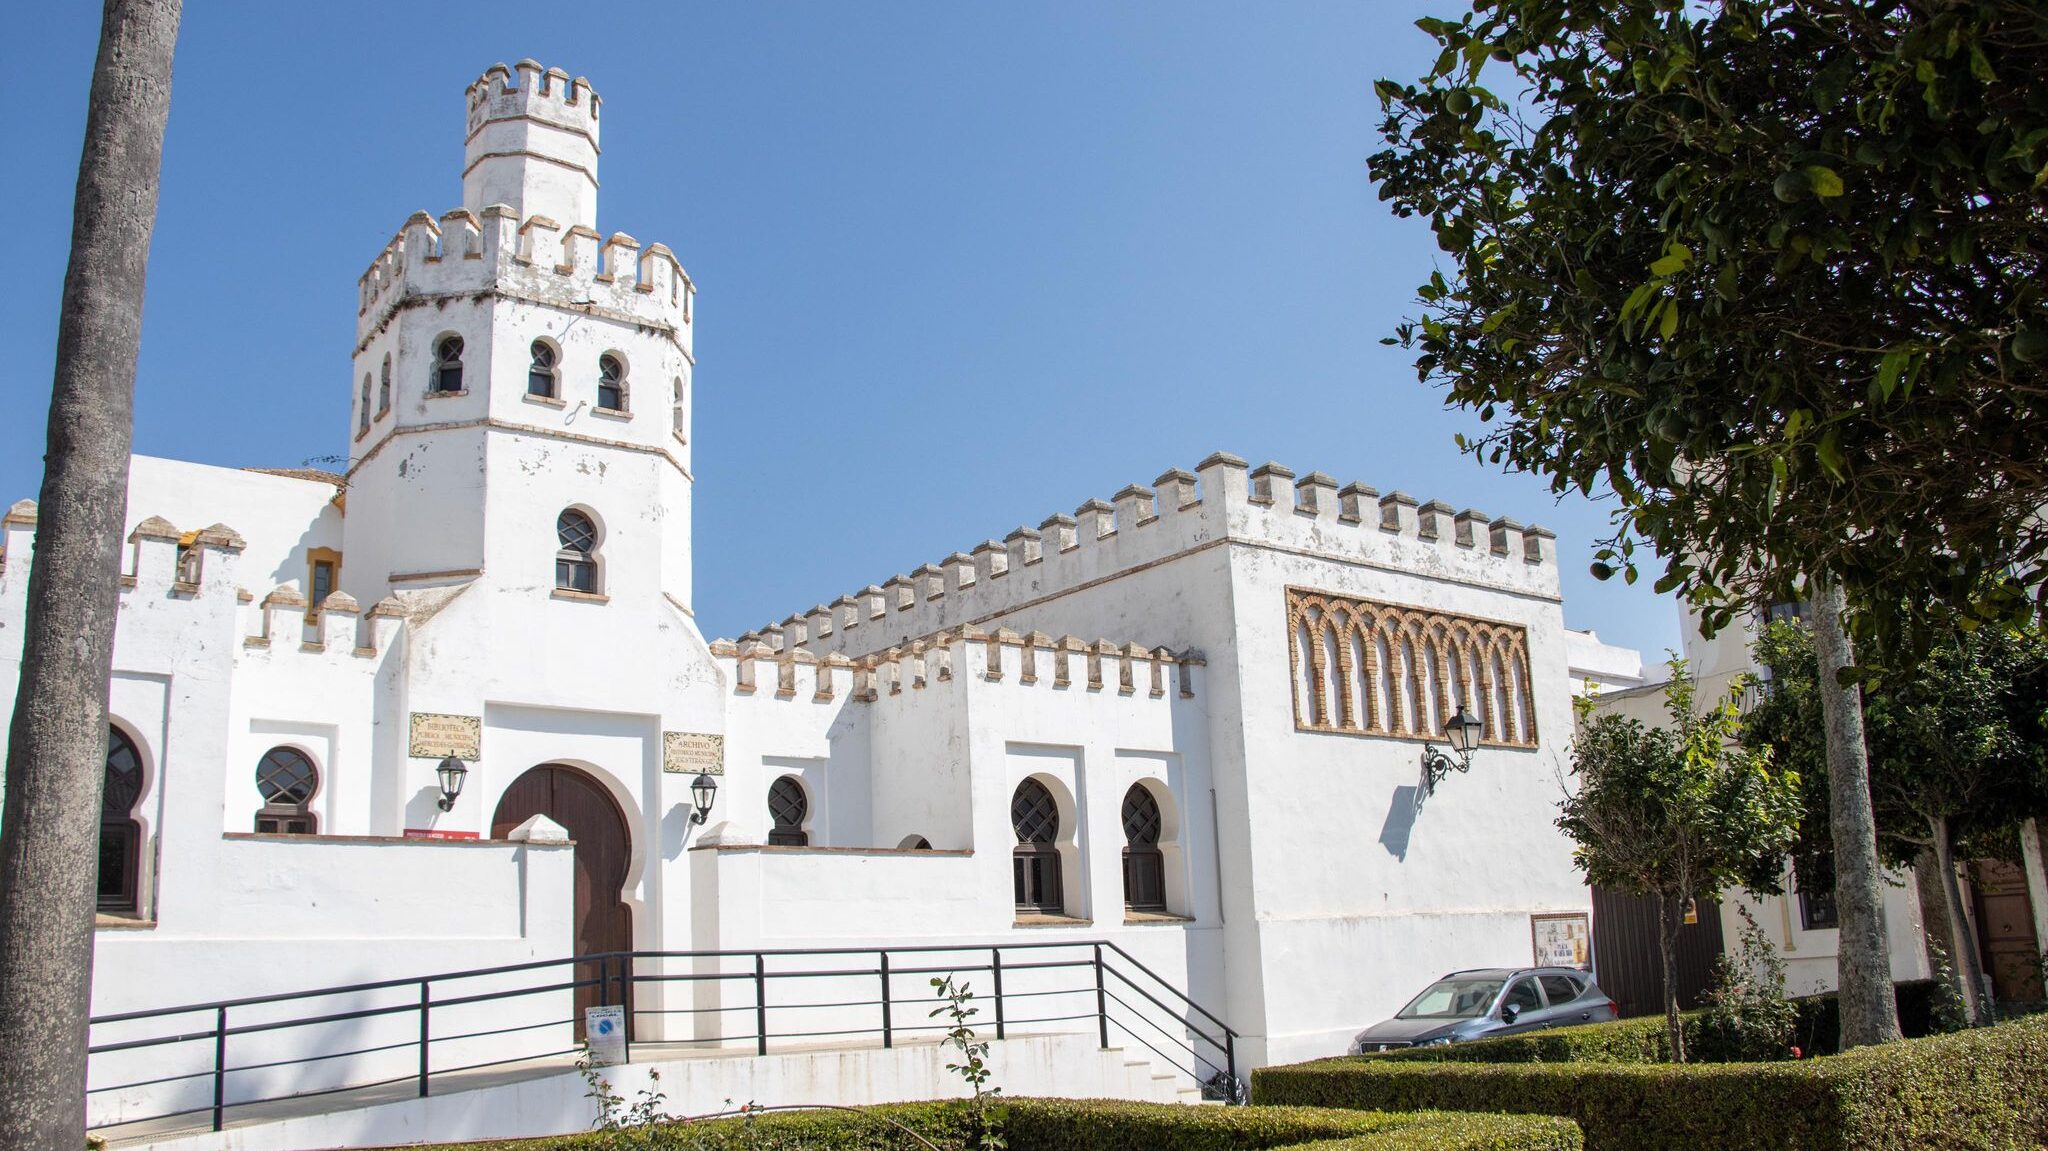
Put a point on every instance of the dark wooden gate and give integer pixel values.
(2005, 931)
(603, 850)
(1627, 963)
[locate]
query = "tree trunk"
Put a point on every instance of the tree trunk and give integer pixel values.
(1870, 1011)
(1968, 963)
(56, 752)
(1938, 911)
(1671, 918)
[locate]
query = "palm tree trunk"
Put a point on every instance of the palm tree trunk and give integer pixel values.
(1870, 1012)
(56, 751)
(1671, 919)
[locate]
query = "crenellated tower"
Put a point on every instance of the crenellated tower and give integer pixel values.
(532, 144)
(513, 363)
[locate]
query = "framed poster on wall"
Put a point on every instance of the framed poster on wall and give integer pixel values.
(1562, 940)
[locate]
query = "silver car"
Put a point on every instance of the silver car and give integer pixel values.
(1493, 1001)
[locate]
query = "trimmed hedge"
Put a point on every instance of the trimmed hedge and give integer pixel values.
(1641, 1040)
(1092, 1125)
(1979, 1089)
(1063, 1125)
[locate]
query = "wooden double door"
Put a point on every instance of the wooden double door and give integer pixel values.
(603, 922)
(2005, 931)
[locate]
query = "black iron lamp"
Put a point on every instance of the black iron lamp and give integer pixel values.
(452, 772)
(703, 790)
(1463, 733)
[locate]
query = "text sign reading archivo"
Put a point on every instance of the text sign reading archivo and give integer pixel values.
(690, 752)
(437, 736)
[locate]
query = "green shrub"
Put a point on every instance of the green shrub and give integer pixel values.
(1744, 1016)
(1980, 1089)
(1089, 1125)
(1060, 1125)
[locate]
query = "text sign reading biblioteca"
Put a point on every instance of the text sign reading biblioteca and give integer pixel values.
(436, 736)
(688, 752)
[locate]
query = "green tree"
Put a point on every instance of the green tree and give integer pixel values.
(1771, 272)
(1958, 757)
(1679, 813)
(57, 744)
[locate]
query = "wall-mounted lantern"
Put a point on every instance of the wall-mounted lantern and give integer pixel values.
(1463, 733)
(703, 790)
(452, 772)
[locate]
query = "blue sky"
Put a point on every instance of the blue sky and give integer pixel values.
(961, 266)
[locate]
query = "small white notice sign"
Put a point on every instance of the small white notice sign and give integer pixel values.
(604, 1032)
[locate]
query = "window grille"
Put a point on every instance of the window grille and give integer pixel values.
(611, 383)
(540, 374)
(120, 834)
(1036, 861)
(287, 780)
(576, 559)
(1144, 863)
(448, 364)
(787, 807)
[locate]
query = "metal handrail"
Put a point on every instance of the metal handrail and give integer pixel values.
(615, 975)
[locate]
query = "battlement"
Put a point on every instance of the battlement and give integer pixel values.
(531, 143)
(536, 258)
(755, 666)
(1222, 500)
(527, 90)
(283, 625)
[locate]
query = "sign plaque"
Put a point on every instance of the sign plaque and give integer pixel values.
(1562, 940)
(437, 736)
(604, 1030)
(690, 752)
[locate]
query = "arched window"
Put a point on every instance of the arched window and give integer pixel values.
(576, 561)
(1036, 863)
(363, 414)
(787, 807)
(675, 411)
(540, 375)
(287, 780)
(1144, 865)
(448, 364)
(611, 383)
(914, 843)
(120, 835)
(384, 387)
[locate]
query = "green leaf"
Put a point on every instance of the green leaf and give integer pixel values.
(1668, 326)
(1824, 181)
(1889, 370)
(1830, 452)
(1675, 258)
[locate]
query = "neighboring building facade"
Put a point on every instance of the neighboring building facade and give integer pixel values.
(2006, 905)
(1226, 785)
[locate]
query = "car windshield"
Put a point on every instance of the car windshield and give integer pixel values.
(1454, 998)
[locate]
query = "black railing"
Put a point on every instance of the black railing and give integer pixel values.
(200, 1062)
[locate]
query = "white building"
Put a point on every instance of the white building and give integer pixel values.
(1201, 705)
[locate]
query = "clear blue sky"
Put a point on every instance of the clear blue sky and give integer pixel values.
(961, 266)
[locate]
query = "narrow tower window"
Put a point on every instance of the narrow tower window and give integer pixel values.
(1144, 865)
(787, 807)
(1035, 817)
(448, 364)
(363, 415)
(120, 834)
(611, 383)
(384, 387)
(540, 377)
(675, 411)
(287, 780)
(576, 562)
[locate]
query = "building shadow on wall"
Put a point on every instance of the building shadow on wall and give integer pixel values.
(1400, 821)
